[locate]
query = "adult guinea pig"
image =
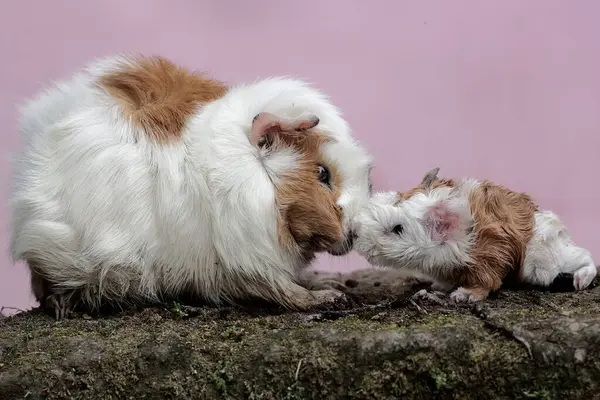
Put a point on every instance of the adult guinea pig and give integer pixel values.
(470, 235)
(140, 181)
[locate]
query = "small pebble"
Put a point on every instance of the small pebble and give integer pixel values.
(580, 355)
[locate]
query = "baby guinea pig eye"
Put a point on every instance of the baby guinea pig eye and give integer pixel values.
(398, 229)
(323, 175)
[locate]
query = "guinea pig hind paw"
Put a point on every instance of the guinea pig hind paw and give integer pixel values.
(584, 276)
(59, 304)
(459, 296)
(464, 295)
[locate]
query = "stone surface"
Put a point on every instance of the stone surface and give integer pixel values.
(519, 345)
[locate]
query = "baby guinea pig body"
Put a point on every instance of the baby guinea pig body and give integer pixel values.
(470, 234)
(141, 181)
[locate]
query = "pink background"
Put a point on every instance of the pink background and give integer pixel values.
(505, 89)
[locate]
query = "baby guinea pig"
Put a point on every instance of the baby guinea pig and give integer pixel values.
(471, 235)
(142, 181)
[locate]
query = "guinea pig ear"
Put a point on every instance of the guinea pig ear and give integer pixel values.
(265, 124)
(445, 222)
(430, 177)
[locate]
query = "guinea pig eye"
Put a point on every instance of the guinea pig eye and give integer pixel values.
(323, 175)
(398, 229)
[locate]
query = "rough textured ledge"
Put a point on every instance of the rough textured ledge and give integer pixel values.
(524, 344)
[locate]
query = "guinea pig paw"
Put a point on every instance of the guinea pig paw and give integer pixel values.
(460, 296)
(463, 295)
(584, 276)
(58, 304)
(321, 298)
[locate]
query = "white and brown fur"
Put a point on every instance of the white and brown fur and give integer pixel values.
(140, 180)
(470, 236)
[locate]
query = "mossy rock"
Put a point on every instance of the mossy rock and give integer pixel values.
(519, 345)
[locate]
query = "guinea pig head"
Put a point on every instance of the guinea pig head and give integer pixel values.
(313, 188)
(423, 228)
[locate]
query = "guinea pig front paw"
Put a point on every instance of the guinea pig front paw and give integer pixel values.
(464, 295)
(584, 276)
(326, 298)
(58, 304)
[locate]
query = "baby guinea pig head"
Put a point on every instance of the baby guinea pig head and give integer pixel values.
(425, 228)
(326, 183)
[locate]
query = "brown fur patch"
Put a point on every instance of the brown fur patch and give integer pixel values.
(425, 188)
(309, 215)
(504, 226)
(159, 96)
(429, 182)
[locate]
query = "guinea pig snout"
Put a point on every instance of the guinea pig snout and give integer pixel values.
(344, 246)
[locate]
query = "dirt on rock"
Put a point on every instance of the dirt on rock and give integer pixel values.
(523, 344)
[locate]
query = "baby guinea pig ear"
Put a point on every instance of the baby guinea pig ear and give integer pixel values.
(430, 177)
(265, 124)
(446, 222)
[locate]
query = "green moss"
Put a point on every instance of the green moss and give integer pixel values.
(439, 321)
(383, 354)
(221, 380)
(178, 311)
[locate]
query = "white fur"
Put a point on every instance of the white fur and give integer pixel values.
(414, 248)
(107, 210)
(549, 253)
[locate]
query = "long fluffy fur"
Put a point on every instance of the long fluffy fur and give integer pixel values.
(472, 234)
(146, 186)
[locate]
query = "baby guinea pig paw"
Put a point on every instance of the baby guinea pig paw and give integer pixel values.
(464, 295)
(584, 276)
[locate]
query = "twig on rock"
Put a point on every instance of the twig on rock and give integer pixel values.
(332, 315)
(298, 369)
(418, 307)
